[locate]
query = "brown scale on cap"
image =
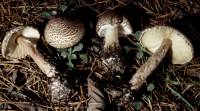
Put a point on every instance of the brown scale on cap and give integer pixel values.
(111, 25)
(63, 33)
(108, 18)
(159, 40)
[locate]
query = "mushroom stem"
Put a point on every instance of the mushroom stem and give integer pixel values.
(111, 38)
(32, 51)
(146, 69)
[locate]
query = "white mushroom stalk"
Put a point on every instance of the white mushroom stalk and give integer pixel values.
(159, 40)
(111, 37)
(150, 65)
(32, 51)
(21, 42)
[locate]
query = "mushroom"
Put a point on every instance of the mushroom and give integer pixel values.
(21, 42)
(111, 25)
(63, 33)
(159, 40)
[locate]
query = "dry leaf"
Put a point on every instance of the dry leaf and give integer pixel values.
(96, 102)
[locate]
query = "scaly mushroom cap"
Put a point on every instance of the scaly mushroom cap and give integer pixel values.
(182, 49)
(110, 19)
(11, 49)
(63, 33)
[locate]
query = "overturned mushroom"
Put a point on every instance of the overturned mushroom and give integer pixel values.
(110, 25)
(20, 42)
(63, 33)
(159, 40)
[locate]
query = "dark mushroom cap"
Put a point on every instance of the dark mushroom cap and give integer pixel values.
(63, 33)
(107, 19)
(110, 19)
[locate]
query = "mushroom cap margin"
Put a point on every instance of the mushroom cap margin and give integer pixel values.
(182, 49)
(10, 48)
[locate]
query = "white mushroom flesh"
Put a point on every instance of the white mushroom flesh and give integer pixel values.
(182, 50)
(111, 36)
(10, 49)
(32, 51)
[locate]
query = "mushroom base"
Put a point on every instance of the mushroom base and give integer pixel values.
(109, 68)
(58, 90)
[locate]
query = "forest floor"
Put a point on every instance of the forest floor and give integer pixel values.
(24, 87)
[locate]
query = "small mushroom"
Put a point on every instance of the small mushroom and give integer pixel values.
(111, 25)
(159, 40)
(63, 33)
(20, 42)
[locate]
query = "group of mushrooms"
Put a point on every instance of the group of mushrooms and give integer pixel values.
(64, 33)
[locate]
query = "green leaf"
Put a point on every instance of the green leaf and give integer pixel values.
(64, 54)
(137, 35)
(138, 105)
(138, 45)
(150, 87)
(84, 58)
(73, 56)
(147, 99)
(62, 50)
(62, 8)
(127, 48)
(174, 82)
(70, 64)
(70, 50)
(78, 48)
(140, 54)
(175, 93)
(46, 14)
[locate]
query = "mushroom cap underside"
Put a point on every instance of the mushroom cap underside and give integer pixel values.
(112, 19)
(11, 49)
(182, 49)
(63, 33)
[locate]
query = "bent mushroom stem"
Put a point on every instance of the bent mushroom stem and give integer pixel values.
(32, 51)
(146, 69)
